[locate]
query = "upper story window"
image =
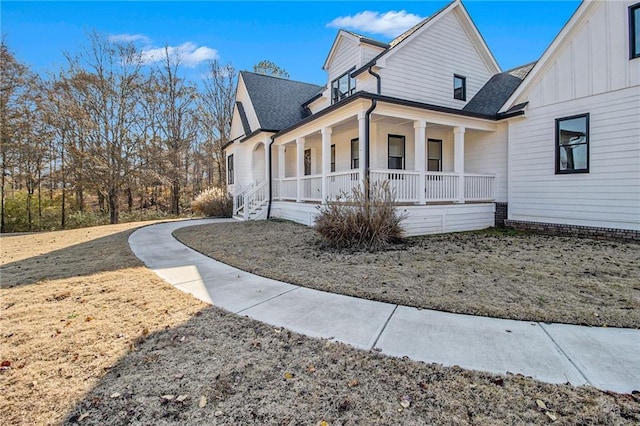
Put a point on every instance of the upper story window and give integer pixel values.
(634, 31)
(459, 87)
(572, 144)
(343, 86)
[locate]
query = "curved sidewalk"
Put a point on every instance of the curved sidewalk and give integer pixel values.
(606, 358)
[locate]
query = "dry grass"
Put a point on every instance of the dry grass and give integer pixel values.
(104, 347)
(492, 273)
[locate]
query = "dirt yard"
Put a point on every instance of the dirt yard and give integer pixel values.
(492, 273)
(89, 336)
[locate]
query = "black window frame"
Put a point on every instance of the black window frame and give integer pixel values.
(355, 153)
(634, 44)
(463, 79)
(336, 95)
(333, 158)
(439, 159)
(558, 122)
(404, 152)
(230, 170)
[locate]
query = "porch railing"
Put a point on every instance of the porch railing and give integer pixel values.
(339, 183)
(311, 188)
(404, 184)
(250, 200)
(479, 187)
(441, 186)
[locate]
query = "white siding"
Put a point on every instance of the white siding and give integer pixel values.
(422, 68)
(345, 57)
(368, 52)
(236, 124)
(607, 196)
(590, 72)
(486, 153)
(420, 220)
(594, 59)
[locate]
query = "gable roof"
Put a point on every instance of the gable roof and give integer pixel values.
(355, 37)
(397, 42)
(547, 56)
(497, 90)
(243, 118)
(277, 101)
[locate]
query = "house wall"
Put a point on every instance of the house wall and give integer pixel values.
(345, 57)
(486, 153)
(249, 165)
(422, 68)
(590, 72)
(236, 124)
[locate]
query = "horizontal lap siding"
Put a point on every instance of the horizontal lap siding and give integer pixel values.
(607, 196)
(345, 57)
(423, 67)
(420, 220)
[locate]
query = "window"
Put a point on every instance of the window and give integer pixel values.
(355, 153)
(434, 155)
(396, 152)
(343, 86)
(333, 158)
(572, 144)
(459, 87)
(230, 170)
(634, 31)
(307, 162)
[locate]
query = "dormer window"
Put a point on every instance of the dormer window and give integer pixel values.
(459, 87)
(343, 86)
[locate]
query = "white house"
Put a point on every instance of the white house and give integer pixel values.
(555, 143)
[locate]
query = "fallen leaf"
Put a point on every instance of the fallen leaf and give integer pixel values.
(181, 398)
(145, 331)
(406, 401)
(83, 416)
(115, 395)
(288, 375)
(323, 423)
(217, 413)
(168, 397)
(540, 403)
(498, 382)
(551, 416)
(353, 383)
(89, 318)
(203, 401)
(5, 363)
(311, 369)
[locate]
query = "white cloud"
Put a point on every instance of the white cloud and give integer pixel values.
(188, 53)
(129, 38)
(389, 24)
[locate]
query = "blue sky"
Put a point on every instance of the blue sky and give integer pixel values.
(295, 35)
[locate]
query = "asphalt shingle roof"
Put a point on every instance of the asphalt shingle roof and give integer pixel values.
(497, 90)
(277, 101)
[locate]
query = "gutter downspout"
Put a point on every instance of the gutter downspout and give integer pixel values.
(270, 183)
(367, 131)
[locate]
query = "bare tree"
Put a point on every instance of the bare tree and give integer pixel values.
(215, 114)
(269, 68)
(107, 82)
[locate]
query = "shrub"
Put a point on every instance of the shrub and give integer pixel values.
(353, 221)
(214, 202)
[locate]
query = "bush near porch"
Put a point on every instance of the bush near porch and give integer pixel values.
(492, 273)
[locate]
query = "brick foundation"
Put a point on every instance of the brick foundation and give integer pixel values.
(613, 234)
(502, 212)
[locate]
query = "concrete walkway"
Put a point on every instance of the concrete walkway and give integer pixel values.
(606, 358)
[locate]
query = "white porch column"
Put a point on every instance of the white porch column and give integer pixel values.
(361, 136)
(267, 158)
(300, 166)
(326, 161)
(421, 157)
(281, 161)
(458, 162)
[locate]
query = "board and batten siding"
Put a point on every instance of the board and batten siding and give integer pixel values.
(589, 72)
(609, 195)
(422, 69)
